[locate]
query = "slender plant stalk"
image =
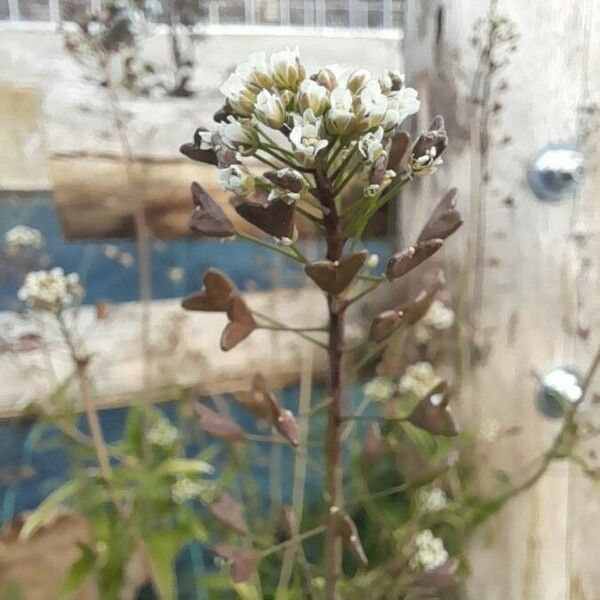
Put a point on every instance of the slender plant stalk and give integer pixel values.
(333, 436)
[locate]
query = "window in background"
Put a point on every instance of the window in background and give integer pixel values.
(336, 13)
(232, 12)
(267, 12)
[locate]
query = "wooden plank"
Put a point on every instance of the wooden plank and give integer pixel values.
(534, 276)
(184, 348)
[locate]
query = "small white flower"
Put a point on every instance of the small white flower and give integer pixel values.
(432, 500)
(50, 290)
(379, 389)
(111, 251)
(205, 138)
(20, 237)
(305, 137)
(184, 490)
(426, 164)
(370, 145)
(269, 109)
(235, 89)
(286, 70)
(387, 178)
(176, 273)
(258, 68)
(372, 191)
(126, 259)
(564, 384)
(490, 430)
(418, 379)
(430, 552)
(340, 117)
(372, 106)
(401, 104)
(236, 179)
(373, 261)
(238, 134)
(313, 96)
(162, 434)
(439, 316)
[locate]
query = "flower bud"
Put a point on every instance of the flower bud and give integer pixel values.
(373, 261)
(313, 96)
(236, 179)
(286, 70)
(372, 191)
(269, 109)
(391, 81)
(239, 96)
(340, 117)
(327, 78)
(260, 75)
(357, 80)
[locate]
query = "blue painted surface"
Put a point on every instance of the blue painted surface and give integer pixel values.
(104, 278)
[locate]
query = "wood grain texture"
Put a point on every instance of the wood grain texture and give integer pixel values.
(540, 282)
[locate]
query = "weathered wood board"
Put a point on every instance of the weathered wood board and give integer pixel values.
(541, 276)
(184, 349)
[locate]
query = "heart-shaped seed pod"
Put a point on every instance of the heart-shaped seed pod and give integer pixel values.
(432, 414)
(214, 295)
(275, 217)
(241, 323)
(335, 277)
(444, 219)
(208, 218)
(217, 425)
(408, 259)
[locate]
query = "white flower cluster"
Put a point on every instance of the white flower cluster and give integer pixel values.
(312, 112)
(418, 379)
(432, 500)
(185, 490)
(379, 389)
(430, 552)
(21, 237)
(162, 434)
(439, 316)
(51, 290)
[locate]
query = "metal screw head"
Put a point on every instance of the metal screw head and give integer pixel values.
(559, 389)
(555, 172)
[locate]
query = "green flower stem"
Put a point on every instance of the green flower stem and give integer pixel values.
(338, 146)
(267, 162)
(299, 253)
(275, 325)
(347, 179)
(285, 161)
(337, 173)
(264, 244)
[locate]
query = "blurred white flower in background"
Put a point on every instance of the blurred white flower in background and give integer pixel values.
(419, 378)
(162, 434)
(490, 430)
(439, 316)
(379, 389)
(22, 237)
(373, 261)
(432, 499)
(185, 489)
(51, 290)
(430, 552)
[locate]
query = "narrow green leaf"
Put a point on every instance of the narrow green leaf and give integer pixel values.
(46, 510)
